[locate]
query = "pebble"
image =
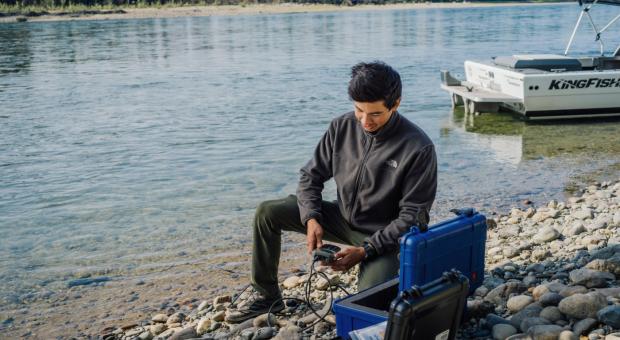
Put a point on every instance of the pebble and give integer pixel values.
(582, 327)
(551, 313)
(567, 335)
(582, 214)
(510, 252)
(502, 331)
(133, 332)
(219, 316)
(264, 333)
(545, 332)
(517, 303)
(321, 328)
(550, 299)
(575, 229)
(203, 305)
(610, 316)
(493, 319)
(160, 318)
(221, 299)
(175, 318)
(166, 334)
(308, 319)
(203, 326)
(214, 326)
(331, 319)
(184, 334)
(146, 335)
(612, 265)
(479, 308)
(265, 320)
(247, 333)
(590, 278)
(157, 328)
(289, 333)
(540, 290)
(322, 283)
(546, 234)
(528, 323)
(613, 336)
(540, 254)
(528, 312)
(572, 290)
(291, 282)
(581, 306)
(249, 323)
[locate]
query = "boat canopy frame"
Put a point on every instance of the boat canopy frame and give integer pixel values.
(585, 11)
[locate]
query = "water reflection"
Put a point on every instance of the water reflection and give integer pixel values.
(513, 140)
(16, 52)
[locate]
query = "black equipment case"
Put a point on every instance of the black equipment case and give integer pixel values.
(429, 312)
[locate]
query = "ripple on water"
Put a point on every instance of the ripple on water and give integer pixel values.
(126, 143)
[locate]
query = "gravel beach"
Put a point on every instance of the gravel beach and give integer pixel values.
(551, 273)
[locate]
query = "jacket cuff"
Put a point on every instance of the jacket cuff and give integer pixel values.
(377, 245)
(310, 216)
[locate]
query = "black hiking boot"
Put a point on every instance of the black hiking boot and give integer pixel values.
(257, 307)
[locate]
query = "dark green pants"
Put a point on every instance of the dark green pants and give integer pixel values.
(274, 216)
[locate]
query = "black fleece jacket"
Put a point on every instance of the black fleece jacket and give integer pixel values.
(386, 181)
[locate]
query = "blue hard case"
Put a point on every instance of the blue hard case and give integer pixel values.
(425, 255)
(454, 244)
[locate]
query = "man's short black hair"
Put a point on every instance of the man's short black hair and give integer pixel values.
(371, 82)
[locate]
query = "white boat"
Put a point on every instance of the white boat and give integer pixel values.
(544, 86)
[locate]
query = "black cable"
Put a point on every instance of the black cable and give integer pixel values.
(307, 301)
(238, 295)
(343, 289)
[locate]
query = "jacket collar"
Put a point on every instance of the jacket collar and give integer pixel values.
(386, 130)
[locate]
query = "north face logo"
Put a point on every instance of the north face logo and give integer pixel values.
(392, 163)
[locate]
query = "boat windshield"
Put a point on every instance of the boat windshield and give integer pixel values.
(586, 6)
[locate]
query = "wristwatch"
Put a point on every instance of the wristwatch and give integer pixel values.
(370, 251)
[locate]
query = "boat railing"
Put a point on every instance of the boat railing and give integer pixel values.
(586, 6)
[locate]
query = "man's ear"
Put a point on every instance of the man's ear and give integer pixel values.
(396, 105)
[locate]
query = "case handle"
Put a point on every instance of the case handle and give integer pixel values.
(422, 221)
(467, 212)
(452, 276)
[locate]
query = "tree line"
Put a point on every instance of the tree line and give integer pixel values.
(67, 3)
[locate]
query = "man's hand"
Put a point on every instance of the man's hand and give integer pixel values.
(314, 235)
(347, 258)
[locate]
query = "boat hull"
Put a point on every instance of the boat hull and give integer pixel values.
(550, 95)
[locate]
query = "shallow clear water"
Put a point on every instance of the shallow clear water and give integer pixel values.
(127, 144)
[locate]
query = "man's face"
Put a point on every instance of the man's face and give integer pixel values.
(373, 115)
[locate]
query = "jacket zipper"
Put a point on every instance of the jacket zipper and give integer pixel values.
(359, 176)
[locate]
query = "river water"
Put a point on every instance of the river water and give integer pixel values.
(127, 144)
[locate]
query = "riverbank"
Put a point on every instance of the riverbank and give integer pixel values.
(254, 9)
(551, 273)
(93, 305)
(564, 248)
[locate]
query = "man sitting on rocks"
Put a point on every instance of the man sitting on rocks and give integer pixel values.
(385, 171)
